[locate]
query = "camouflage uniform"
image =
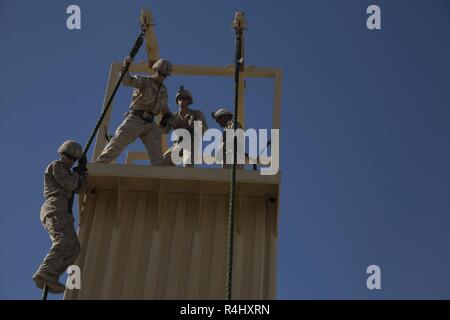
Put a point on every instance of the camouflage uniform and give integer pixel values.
(59, 183)
(178, 121)
(149, 99)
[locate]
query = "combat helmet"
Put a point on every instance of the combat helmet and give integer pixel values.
(72, 148)
(163, 67)
(183, 93)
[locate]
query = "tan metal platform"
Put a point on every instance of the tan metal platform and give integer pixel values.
(160, 233)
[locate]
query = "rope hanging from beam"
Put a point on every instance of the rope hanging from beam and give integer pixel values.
(239, 26)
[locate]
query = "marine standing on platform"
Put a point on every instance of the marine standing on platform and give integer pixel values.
(184, 118)
(148, 100)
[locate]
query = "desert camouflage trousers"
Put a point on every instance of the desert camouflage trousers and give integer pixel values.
(130, 129)
(59, 224)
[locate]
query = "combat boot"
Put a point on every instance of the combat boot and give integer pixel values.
(54, 286)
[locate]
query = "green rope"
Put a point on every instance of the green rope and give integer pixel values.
(231, 204)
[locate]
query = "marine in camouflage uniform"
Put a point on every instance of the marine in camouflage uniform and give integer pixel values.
(58, 221)
(184, 118)
(225, 119)
(149, 99)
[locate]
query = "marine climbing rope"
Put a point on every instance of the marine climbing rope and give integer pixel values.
(133, 52)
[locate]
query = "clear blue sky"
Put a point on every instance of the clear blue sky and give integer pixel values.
(365, 130)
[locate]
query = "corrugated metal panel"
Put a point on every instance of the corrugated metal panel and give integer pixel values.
(157, 238)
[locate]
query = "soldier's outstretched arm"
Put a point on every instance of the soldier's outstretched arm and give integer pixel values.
(69, 181)
(131, 81)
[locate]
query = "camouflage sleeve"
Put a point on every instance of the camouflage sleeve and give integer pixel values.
(67, 180)
(133, 81)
